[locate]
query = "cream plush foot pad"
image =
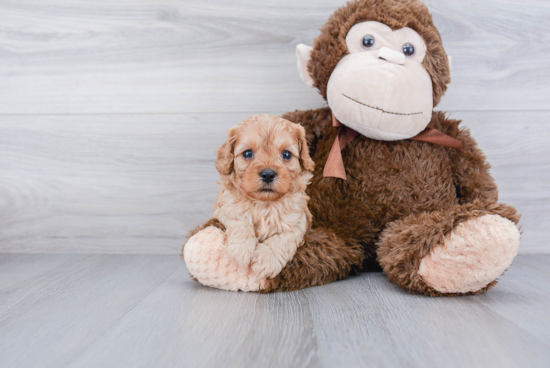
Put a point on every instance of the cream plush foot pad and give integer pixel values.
(205, 255)
(474, 254)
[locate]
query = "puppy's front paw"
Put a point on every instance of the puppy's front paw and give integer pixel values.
(265, 263)
(240, 251)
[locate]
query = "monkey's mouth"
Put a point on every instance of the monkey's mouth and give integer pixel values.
(379, 109)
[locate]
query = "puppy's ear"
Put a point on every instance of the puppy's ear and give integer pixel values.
(224, 162)
(305, 159)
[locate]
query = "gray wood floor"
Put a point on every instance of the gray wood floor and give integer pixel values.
(144, 311)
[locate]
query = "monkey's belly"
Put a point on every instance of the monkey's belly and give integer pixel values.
(386, 181)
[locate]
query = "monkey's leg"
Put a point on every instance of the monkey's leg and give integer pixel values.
(323, 258)
(455, 252)
(212, 222)
(207, 260)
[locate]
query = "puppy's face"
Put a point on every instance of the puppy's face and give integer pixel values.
(264, 155)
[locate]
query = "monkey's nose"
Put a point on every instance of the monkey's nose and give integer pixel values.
(392, 56)
(268, 175)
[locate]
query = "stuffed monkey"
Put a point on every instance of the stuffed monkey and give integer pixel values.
(396, 184)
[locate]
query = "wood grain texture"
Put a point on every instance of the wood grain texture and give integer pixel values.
(24, 275)
(138, 183)
(516, 145)
(72, 305)
(120, 184)
(171, 56)
(525, 294)
(391, 328)
(143, 311)
(112, 110)
(194, 326)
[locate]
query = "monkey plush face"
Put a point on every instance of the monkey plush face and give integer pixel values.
(380, 65)
(381, 89)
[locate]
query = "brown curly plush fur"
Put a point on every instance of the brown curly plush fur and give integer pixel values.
(418, 234)
(400, 200)
(325, 259)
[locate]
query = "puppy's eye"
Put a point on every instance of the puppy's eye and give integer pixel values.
(408, 49)
(287, 155)
(368, 41)
(248, 154)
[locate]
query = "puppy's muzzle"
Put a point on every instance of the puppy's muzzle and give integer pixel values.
(268, 175)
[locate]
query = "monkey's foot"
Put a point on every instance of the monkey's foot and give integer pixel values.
(474, 254)
(206, 257)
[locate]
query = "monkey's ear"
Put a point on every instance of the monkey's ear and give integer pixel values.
(224, 162)
(303, 53)
(305, 158)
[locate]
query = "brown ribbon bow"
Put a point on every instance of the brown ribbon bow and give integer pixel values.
(335, 164)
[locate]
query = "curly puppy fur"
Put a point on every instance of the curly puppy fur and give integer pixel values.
(265, 218)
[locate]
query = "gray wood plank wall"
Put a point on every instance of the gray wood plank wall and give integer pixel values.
(110, 111)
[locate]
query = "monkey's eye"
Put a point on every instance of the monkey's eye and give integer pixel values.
(287, 155)
(408, 49)
(248, 154)
(368, 41)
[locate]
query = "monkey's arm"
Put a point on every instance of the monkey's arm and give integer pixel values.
(315, 122)
(470, 166)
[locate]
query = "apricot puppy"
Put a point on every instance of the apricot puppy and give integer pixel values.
(264, 169)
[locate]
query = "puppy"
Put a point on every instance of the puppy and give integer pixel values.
(264, 169)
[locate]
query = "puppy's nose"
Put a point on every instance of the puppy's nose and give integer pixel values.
(268, 175)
